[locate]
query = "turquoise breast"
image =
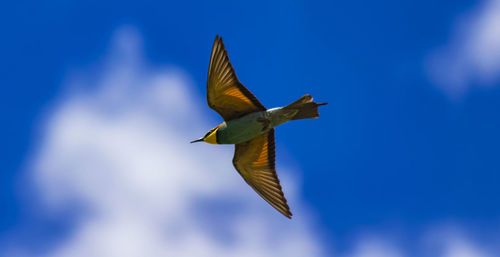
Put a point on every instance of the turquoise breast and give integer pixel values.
(242, 129)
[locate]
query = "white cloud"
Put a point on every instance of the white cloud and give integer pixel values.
(452, 241)
(375, 246)
(473, 53)
(459, 247)
(120, 152)
(437, 241)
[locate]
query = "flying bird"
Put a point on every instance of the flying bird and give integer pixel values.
(250, 126)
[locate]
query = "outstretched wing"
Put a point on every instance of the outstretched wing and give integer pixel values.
(225, 94)
(254, 160)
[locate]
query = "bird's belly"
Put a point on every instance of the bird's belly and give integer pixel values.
(243, 129)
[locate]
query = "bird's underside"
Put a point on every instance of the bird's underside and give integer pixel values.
(253, 159)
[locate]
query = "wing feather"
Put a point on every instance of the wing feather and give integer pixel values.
(225, 94)
(255, 161)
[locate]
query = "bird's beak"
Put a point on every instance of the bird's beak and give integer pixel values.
(197, 140)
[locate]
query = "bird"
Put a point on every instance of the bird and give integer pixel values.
(250, 126)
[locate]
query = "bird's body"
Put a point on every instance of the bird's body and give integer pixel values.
(250, 126)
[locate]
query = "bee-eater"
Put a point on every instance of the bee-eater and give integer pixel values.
(250, 126)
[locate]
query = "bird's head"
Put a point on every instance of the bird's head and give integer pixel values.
(210, 137)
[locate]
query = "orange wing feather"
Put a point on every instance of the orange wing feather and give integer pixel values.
(255, 161)
(225, 94)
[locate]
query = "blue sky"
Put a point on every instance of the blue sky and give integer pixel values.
(409, 141)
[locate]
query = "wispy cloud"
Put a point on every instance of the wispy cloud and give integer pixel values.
(453, 241)
(437, 241)
(375, 246)
(117, 148)
(472, 56)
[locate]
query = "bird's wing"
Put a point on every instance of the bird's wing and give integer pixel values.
(225, 94)
(254, 160)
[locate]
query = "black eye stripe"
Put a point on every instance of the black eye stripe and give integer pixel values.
(210, 132)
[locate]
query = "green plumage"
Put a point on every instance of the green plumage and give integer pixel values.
(249, 126)
(253, 124)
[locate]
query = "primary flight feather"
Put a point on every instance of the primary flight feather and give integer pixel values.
(250, 126)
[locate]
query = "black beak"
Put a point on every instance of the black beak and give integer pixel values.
(197, 140)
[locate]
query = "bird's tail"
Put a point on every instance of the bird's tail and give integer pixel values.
(306, 107)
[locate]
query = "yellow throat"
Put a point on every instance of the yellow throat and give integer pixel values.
(212, 138)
